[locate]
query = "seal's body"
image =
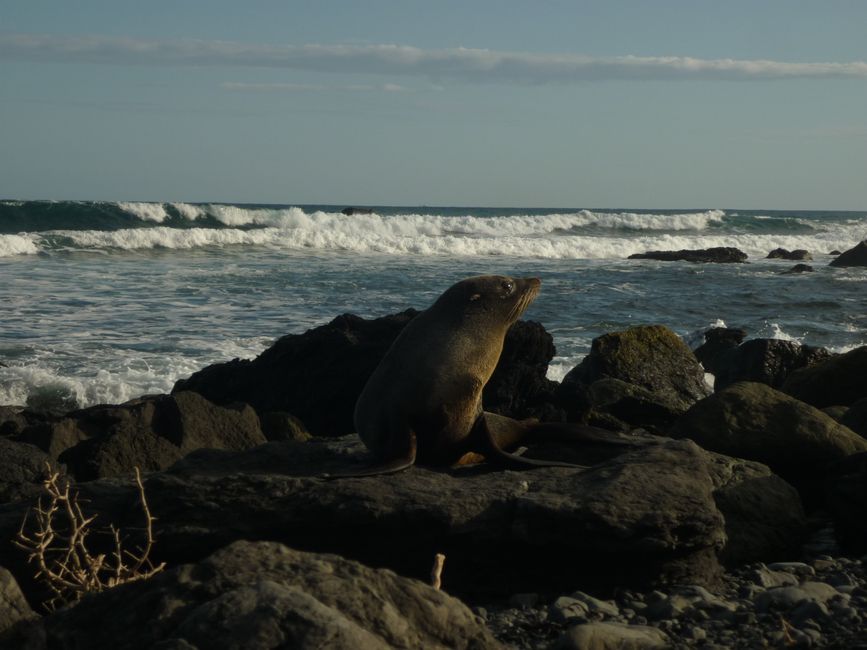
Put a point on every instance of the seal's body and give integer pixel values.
(424, 400)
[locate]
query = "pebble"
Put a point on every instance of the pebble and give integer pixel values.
(815, 604)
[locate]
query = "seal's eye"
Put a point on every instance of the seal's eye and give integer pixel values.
(508, 286)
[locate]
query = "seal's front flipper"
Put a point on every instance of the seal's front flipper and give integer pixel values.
(396, 464)
(490, 435)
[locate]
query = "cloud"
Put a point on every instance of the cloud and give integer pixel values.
(461, 64)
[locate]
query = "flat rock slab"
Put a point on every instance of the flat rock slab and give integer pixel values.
(651, 516)
(263, 595)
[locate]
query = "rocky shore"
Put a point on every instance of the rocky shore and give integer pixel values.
(726, 516)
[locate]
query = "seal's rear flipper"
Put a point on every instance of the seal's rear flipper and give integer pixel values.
(509, 430)
(397, 464)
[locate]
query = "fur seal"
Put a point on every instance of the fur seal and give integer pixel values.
(424, 401)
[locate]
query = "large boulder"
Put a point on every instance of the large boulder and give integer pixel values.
(263, 595)
(318, 375)
(846, 501)
(720, 255)
(149, 432)
(839, 380)
(519, 387)
(13, 606)
(22, 469)
(667, 378)
(754, 421)
(768, 361)
(663, 514)
(855, 417)
(855, 256)
(718, 341)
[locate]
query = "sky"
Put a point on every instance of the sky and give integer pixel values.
(543, 103)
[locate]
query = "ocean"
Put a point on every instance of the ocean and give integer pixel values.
(101, 302)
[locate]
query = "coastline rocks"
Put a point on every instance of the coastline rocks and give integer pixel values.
(768, 361)
(846, 500)
(754, 421)
(317, 376)
(351, 211)
(656, 377)
(261, 595)
(659, 515)
(22, 468)
(13, 607)
(149, 432)
(799, 268)
(855, 417)
(798, 255)
(719, 255)
(839, 380)
(519, 387)
(855, 256)
(718, 340)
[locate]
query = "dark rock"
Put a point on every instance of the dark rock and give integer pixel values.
(13, 607)
(846, 501)
(783, 254)
(754, 421)
(856, 417)
(718, 255)
(834, 252)
(767, 361)
(519, 387)
(351, 211)
(764, 518)
(718, 340)
(260, 595)
(650, 516)
(855, 256)
(800, 268)
(283, 426)
(149, 432)
(836, 381)
(652, 358)
(22, 470)
(317, 376)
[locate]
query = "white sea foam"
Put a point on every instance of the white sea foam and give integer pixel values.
(189, 211)
(145, 211)
(17, 245)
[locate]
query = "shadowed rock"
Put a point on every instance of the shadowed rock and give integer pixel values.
(855, 256)
(839, 380)
(754, 421)
(317, 376)
(149, 432)
(651, 516)
(718, 340)
(720, 255)
(259, 595)
(768, 361)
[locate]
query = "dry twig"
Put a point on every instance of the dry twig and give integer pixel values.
(58, 546)
(436, 570)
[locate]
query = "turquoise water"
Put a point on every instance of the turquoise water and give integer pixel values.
(103, 302)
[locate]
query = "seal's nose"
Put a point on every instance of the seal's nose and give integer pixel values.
(533, 282)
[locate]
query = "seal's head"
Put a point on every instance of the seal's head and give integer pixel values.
(492, 297)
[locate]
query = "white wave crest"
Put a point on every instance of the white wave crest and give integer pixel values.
(17, 245)
(189, 211)
(145, 211)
